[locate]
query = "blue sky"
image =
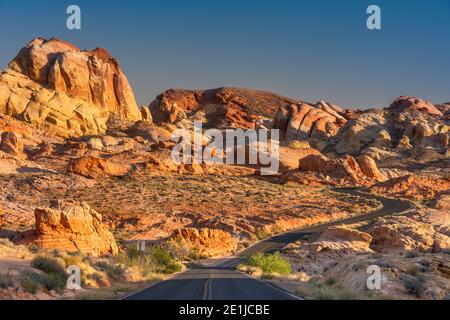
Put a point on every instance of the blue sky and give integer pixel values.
(302, 49)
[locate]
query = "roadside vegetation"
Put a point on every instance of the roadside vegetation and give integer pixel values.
(269, 264)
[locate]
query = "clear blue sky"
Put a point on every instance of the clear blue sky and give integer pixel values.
(303, 49)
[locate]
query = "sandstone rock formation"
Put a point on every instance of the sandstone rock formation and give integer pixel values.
(393, 234)
(303, 121)
(92, 76)
(11, 144)
(208, 242)
(396, 130)
(72, 226)
(347, 170)
(341, 241)
(66, 91)
(413, 187)
(411, 103)
(369, 168)
(94, 168)
(218, 108)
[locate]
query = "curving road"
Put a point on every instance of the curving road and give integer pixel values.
(221, 281)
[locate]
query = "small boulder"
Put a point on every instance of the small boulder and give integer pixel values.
(93, 167)
(12, 144)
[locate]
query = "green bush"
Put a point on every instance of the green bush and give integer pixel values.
(270, 263)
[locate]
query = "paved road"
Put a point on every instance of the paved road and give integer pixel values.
(221, 281)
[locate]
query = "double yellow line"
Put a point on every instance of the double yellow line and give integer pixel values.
(207, 295)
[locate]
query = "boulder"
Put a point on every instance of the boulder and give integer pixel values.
(44, 149)
(11, 144)
(94, 168)
(370, 168)
(72, 226)
(208, 242)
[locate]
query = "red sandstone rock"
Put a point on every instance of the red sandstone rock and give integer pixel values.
(92, 167)
(72, 226)
(208, 242)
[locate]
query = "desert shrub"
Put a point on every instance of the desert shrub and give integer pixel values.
(262, 233)
(33, 281)
(330, 281)
(48, 264)
(413, 271)
(414, 285)
(333, 293)
(156, 259)
(6, 280)
(178, 249)
(55, 277)
(412, 254)
(270, 263)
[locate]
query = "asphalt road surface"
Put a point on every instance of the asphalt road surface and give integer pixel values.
(221, 281)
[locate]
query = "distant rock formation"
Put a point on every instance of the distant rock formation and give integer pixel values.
(405, 127)
(72, 226)
(413, 186)
(347, 170)
(411, 103)
(218, 108)
(303, 121)
(208, 242)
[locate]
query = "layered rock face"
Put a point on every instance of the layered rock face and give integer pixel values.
(66, 91)
(347, 170)
(303, 121)
(218, 108)
(208, 242)
(73, 226)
